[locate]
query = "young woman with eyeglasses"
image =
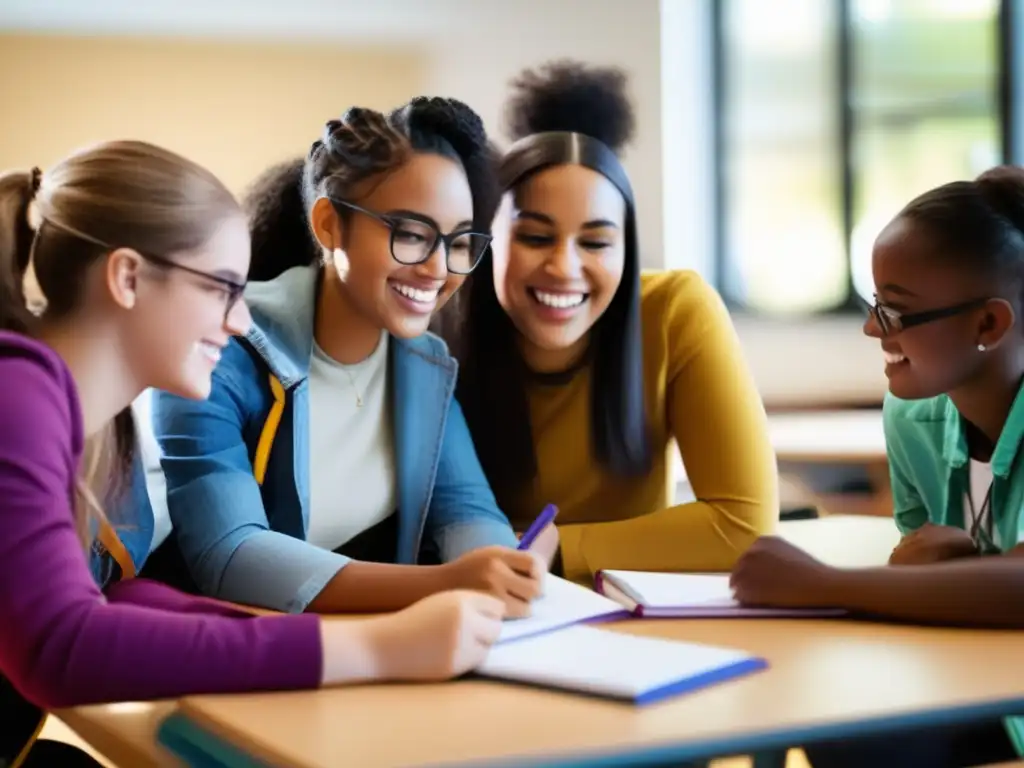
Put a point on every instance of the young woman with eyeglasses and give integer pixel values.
(331, 469)
(949, 275)
(141, 256)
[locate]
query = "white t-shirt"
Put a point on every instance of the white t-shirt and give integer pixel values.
(974, 502)
(156, 483)
(351, 449)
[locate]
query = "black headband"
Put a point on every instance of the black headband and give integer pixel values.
(532, 153)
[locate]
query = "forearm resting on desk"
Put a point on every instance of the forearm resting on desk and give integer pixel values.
(698, 536)
(981, 592)
(351, 651)
(512, 576)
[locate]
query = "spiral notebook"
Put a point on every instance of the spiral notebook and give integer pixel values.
(615, 665)
(689, 595)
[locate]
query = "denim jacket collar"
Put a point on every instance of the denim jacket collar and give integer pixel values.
(282, 329)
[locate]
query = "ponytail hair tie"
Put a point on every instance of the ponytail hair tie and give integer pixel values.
(37, 180)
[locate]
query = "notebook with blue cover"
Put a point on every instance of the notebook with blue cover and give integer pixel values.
(601, 662)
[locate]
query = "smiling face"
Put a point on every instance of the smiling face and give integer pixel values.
(181, 319)
(428, 194)
(913, 276)
(561, 262)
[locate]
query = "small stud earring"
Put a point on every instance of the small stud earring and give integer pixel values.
(982, 348)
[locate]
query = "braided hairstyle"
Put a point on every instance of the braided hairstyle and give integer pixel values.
(360, 145)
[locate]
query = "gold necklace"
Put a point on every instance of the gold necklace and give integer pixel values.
(352, 381)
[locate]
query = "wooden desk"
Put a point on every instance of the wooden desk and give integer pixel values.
(853, 437)
(822, 437)
(837, 437)
(845, 541)
(124, 733)
(826, 679)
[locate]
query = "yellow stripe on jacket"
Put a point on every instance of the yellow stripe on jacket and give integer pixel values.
(269, 431)
(108, 537)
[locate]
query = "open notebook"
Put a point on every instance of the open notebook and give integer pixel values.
(563, 604)
(688, 595)
(600, 662)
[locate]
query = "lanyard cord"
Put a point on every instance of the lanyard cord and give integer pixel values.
(986, 544)
(979, 517)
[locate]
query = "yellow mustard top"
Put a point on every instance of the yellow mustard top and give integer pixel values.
(700, 394)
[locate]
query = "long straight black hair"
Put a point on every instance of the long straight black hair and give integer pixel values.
(493, 376)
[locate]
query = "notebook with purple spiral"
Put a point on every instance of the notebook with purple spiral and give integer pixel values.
(689, 595)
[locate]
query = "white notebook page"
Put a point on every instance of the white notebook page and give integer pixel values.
(601, 661)
(674, 590)
(563, 603)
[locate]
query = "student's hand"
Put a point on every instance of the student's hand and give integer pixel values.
(775, 574)
(514, 577)
(437, 638)
(932, 544)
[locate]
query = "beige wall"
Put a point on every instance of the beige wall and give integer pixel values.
(233, 107)
(239, 106)
(507, 37)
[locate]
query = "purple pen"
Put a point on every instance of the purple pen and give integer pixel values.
(546, 516)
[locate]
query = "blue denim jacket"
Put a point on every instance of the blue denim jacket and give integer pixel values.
(131, 520)
(237, 464)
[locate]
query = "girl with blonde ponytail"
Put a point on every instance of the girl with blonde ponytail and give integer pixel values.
(141, 256)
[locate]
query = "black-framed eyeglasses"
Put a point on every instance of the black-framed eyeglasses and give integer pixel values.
(233, 290)
(415, 238)
(892, 321)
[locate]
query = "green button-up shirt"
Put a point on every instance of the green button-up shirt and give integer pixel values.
(928, 461)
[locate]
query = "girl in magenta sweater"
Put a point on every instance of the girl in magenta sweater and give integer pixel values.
(142, 257)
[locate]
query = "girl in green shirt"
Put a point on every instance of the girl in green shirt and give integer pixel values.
(949, 275)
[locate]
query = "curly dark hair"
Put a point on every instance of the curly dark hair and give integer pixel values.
(362, 144)
(277, 221)
(574, 97)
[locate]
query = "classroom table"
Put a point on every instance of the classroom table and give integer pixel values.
(845, 541)
(825, 678)
(845, 437)
(836, 437)
(824, 438)
(821, 437)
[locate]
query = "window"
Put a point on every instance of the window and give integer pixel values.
(833, 114)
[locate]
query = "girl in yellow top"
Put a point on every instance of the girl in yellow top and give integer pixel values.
(578, 373)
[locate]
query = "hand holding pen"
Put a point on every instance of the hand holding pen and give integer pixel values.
(514, 576)
(541, 537)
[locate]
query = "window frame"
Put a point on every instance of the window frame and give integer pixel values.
(1010, 121)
